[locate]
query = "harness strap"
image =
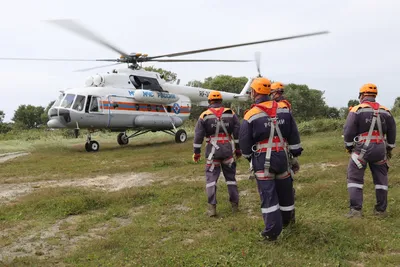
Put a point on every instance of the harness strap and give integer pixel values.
(214, 139)
(376, 119)
(271, 113)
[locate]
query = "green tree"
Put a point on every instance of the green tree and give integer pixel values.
(224, 83)
(333, 113)
(4, 127)
(44, 117)
(2, 115)
(396, 107)
(28, 116)
(353, 102)
(307, 104)
(167, 75)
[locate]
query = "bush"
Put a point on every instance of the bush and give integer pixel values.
(320, 125)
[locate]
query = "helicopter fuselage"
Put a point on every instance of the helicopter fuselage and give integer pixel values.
(128, 99)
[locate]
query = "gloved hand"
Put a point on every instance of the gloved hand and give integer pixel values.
(196, 157)
(238, 153)
(389, 153)
(349, 149)
(295, 165)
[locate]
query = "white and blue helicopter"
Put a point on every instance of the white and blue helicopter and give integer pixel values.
(132, 98)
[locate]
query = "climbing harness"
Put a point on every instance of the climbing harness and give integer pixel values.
(372, 135)
(273, 143)
(219, 138)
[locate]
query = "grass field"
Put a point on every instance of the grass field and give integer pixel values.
(144, 205)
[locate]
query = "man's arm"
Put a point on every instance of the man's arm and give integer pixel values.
(236, 130)
(199, 134)
(246, 139)
(295, 147)
(350, 131)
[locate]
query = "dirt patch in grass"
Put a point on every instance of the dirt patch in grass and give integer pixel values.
(59, 238)
(8, 156)
(9, 192)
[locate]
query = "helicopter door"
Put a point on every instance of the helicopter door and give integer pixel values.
(94, 111)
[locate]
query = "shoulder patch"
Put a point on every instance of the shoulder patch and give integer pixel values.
(384, 108)
(282, 104)
(205, 113)
(229, 111)
(251, 113)
(355, 108)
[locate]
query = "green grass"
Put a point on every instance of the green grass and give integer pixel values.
(165, 223)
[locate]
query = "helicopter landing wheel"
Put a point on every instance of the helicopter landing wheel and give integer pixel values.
(122, 139)
(92, 146)
(180, 136)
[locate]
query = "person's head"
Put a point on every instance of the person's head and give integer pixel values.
(214, 97)
(277, 89)
(368, 90)
(259, 87)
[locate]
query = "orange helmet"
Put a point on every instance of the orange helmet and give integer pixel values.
(261, 86)
(277, 86)
(215, 95)
(369, 89)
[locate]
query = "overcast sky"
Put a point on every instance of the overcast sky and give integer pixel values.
(363, 45)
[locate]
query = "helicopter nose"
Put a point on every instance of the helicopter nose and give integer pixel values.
(55, 123)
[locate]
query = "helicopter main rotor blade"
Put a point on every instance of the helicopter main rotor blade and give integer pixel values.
(85, 33)
(237, 45)
(103, 66)
(53, 59)
(199, 60)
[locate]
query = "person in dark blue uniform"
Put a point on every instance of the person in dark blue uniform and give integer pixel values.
(269, 138)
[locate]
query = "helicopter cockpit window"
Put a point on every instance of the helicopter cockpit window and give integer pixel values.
(68, 100)
(58, 101)
(79, 102)
(148, 83)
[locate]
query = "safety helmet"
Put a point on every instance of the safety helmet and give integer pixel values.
(261, 86)
(369, 89)
(277, 86)
(215, 95)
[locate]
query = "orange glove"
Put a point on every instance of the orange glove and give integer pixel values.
(196, 157)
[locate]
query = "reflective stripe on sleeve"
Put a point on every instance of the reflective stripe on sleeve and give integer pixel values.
(231, 183)
(348, 143)
(296, 146)
(197, 145)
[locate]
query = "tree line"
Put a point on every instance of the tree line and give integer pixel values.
(307, 103)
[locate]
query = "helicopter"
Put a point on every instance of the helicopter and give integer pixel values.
(132, 98)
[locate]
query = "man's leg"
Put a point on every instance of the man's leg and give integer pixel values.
(229, 171)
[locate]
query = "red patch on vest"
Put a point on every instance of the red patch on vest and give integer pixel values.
(217, 113)
(374, 105)
(271, 112)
